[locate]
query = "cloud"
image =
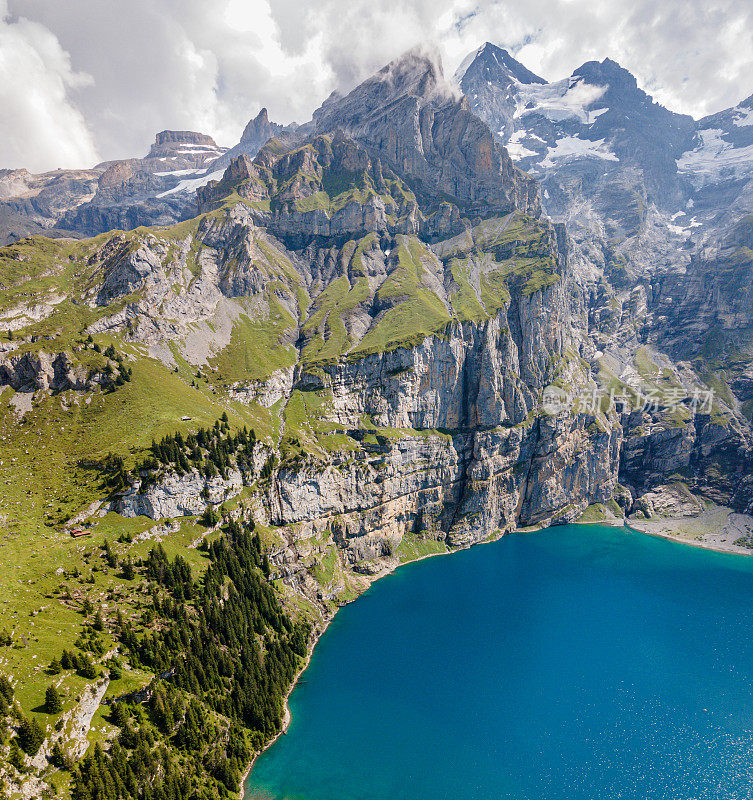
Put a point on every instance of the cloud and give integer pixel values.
(39, 127)
(211, 66)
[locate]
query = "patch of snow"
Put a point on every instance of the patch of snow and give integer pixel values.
(516, 149)
(574, 147)
(746, 120)
(715, 159)
(558, 101)
(191, 184)
(178, 172)
(677, 230)
(198, 149)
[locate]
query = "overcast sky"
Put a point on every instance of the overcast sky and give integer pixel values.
(86, 80)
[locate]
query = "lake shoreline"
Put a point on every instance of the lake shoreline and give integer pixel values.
(669, 528)
(532, 590)
(717, 528)
(287, 715)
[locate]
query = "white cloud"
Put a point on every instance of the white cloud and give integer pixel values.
(39, 127)
(211, 66)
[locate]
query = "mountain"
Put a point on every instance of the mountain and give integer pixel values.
(610, 159)
(32, 204)
(719, 164)
(411, 117)
(594, 138)
(372, 339)
(155, 190)
(599, 113)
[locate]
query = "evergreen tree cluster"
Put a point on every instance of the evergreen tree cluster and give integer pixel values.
(173, 576)
(80, 662)
(52, 701)
(168, 748)
(143, 771)
(30, 736)
(238, 651)
(124, 373)
(211, 451)
(116, 475)
(223, 645)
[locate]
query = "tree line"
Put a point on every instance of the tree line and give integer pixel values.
(228, 653)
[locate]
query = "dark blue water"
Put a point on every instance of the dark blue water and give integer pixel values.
(580, 662)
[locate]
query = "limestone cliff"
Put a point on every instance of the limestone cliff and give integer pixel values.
(380, 296)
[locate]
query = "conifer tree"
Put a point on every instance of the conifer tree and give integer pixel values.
(52, 702)
(30, 736)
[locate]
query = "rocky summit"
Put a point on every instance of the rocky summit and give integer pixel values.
(438, 312)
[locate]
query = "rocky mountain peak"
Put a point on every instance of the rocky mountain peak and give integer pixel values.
(188, 146)
(415, 75)
(260, 129)
(183, 137)
(494, 63)
(417, 72)
(637, 125)
(607, 71)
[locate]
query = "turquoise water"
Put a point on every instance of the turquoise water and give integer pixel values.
(579, 662)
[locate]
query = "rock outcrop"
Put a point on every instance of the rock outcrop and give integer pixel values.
(415, 122)
(381, 288)
(260, 130)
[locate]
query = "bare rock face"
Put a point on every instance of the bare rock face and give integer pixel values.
(410, 116)
(165, 140)
(35, 204)
(177, 496)
(668, 500)
(460, 487)
(260, 130)
(327, 187)
(126, 268)
(29, 372)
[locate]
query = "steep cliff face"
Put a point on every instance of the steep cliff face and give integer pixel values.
(459, 484)
(432, 431)
(704, 312)
(411, 117)
(378, 295)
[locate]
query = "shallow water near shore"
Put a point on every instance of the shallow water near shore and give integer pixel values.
(576, 662)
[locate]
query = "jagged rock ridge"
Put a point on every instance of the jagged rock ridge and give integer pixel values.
(383, 279)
